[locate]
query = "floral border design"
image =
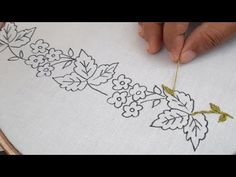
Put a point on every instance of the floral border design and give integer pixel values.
(127, 96)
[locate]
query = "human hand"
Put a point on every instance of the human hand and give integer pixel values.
(171, 34)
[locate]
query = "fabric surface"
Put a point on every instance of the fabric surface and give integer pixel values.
(91, 88)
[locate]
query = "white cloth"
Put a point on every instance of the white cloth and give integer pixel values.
(39, 117)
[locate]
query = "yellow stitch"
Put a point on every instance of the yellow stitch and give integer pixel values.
(168, 90)
(176, 75)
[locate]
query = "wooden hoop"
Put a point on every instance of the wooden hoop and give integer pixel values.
(7, 146)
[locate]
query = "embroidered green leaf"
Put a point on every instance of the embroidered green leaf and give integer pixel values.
(227, 115)
(222, 118)
(203, 112)
(168, 90)
(215, 108)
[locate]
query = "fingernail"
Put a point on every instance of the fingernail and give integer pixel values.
(187, 56)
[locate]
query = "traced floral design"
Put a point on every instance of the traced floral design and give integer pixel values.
(89, 73)
(53, 55)
(71, 82)
(118, 99)
(180, 116)
(181, 101)
(196, 129)
(132, 110)
(35, 60)
(10, 37)
(138, 92)
(171, 119)
(83, 72)
(45, 70)
(121, 82)
(39, 46)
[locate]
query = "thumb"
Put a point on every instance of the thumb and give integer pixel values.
(206, 37)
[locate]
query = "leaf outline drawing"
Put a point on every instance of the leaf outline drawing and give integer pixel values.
(193, 127)
(85, 65)
(70, 82)
(11, 37)
(171, 119)
(90, 74)
(180, 100)
(103, 73)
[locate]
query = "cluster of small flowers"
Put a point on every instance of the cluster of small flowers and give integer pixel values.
(42, 58)
(124, 90)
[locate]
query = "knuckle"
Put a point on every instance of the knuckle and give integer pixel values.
(212, 37)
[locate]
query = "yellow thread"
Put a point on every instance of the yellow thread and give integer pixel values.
(178, 63)
(215, 110)
(176, 75)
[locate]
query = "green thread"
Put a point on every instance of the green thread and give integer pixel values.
(214, 110)
(178, 62)
(168, 90)
(176, 75)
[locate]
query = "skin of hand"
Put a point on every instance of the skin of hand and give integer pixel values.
(172, 35)
(1, 25)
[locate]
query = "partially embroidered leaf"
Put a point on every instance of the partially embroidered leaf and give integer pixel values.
(8, 32)
(71, 82)
(196, 129)
(215, 110)
(155, 103)
(156, 90)
(103, 74)
(222, 118)
(228, 115)
(22, 38)
(85, 65)
(168, 90)
(171, 119)
(181, 101)
(215, 107)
